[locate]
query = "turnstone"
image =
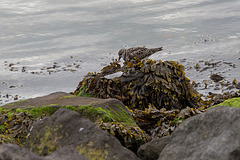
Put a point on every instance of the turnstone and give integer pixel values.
(138, 52)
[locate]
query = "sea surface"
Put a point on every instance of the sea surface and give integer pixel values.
(48, 46)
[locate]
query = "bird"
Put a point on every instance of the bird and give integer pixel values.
(138, 52)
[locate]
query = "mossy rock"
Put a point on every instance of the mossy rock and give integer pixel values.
(233, 102)
(94, 109)
(66, 128)
(109, 110)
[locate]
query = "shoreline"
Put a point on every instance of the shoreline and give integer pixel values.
(195, 71)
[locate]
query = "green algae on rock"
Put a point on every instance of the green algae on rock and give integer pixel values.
(107, 114)
(233, 102)
(105, 111)
(69, 128)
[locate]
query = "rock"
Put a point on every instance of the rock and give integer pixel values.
(109, 114)
(151, 150)
(66, 153)
(235, 155)
(15, 152)
(211, 135)
(108, 110)
(67, 128)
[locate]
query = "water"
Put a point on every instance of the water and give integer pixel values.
(87, 35)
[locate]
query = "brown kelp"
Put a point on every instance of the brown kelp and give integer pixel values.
(161, 84)
(15, 126)
(158, 123)
(129, 136)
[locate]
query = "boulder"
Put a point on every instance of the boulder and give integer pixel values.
(151, 150)
(13, 152)
(109, 114)
(211, 135)
(66, 153)
(235, 155)
(67, 128)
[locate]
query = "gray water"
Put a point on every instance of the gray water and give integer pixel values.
(87, 35)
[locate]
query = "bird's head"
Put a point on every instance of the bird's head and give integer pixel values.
(122, 53)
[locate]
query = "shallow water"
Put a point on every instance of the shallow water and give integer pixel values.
(81, 37)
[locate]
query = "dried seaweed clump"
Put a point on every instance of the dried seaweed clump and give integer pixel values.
(14, 127)
(130, 137)
(161, 84)
(159, 123)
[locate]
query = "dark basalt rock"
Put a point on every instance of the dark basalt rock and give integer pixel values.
(15, 152)
(151, 150)
(161, 84)
(16, 119)
(12, 152)
(235, 155)
(211, 135)
(66, 153)
(68, 128)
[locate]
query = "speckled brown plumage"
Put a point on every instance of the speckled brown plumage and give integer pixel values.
(138, 52)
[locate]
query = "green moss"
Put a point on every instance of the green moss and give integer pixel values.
(72, 108)
(107, 115)
(234, 102)
(2, 127)
(88, 111)
(176, 120)
(39, 112)
(9, 112)
(82, 92)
